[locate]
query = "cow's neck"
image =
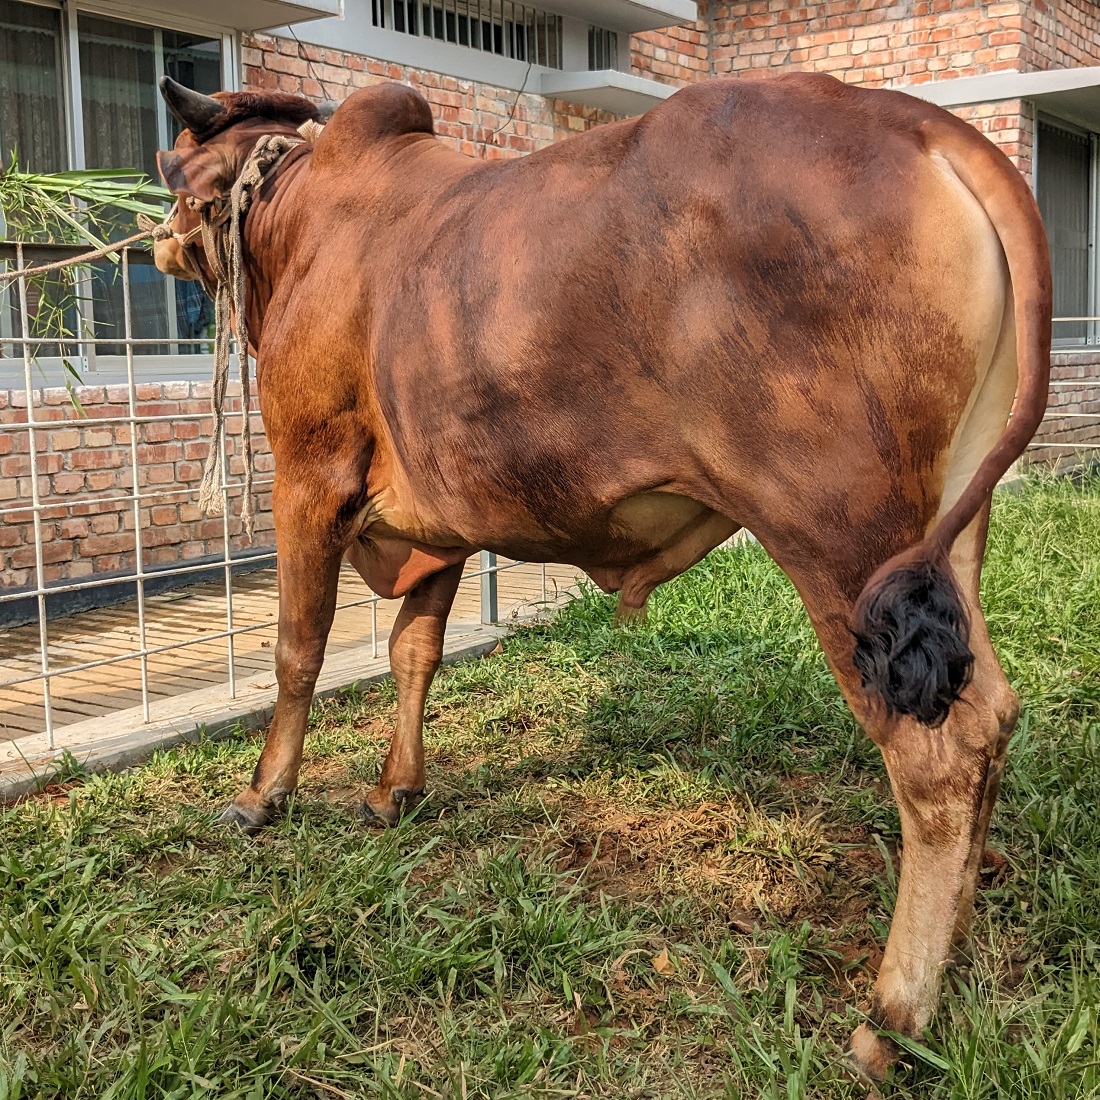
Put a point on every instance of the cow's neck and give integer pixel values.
(268, 231)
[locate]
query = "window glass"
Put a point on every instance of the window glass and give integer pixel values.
(32, 117)
(125, 123)
(1062, 184)
(603, 49)
(32, 135)
(194, 61)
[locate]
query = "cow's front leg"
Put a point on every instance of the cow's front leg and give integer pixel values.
(416, 649)
(308, 572)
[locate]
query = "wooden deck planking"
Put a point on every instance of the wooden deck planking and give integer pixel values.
(179, 619)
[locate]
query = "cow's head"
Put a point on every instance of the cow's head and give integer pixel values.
(220, 131)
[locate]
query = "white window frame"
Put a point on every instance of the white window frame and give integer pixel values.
(1092, 336)
(101, 369)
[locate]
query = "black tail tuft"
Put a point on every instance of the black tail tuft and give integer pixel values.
(912, 636)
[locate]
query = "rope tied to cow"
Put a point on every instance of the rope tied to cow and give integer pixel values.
(221, 228)
(223, 242)
(149, 230)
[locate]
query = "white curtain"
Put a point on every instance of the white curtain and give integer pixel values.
(31, 115)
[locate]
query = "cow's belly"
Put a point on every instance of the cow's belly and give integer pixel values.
(668, 533)
(642, 541)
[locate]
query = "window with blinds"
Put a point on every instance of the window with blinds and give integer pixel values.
(1063, 186)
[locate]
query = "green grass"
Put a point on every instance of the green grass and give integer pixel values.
(656, 863)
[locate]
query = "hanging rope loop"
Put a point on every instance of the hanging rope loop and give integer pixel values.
(222, 230)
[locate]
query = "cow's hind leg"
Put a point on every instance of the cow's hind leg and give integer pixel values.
(944, 780)
(416, 649)
(1005, 705)
(308, 572)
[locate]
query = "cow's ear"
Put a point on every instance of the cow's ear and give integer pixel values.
(197, 172)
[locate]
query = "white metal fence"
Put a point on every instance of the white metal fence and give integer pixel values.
(34, 658)
(29, 668)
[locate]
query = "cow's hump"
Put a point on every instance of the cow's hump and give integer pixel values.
(386, 110)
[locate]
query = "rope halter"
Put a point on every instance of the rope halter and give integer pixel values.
(221, 228)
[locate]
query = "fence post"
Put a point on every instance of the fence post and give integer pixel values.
(36, 503)
(488, 588)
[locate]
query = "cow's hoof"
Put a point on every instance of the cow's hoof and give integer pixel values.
(249, 821)
(871, 1056)
(385, 808)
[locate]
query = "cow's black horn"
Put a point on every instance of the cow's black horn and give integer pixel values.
(196, 111)
(325, 109)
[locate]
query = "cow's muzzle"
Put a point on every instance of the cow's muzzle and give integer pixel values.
(173, 258)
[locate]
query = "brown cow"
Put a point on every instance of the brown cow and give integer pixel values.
(790, 305)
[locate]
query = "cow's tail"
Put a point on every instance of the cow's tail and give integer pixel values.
(910, 622)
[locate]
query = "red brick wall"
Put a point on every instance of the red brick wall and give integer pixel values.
(1010, 125)
(863, 42)
(1073, 391)
(474, 116)
(902, 45)
(675, 55)
(84, 476)
(1061, 33)
(81, 464)
(908, 43)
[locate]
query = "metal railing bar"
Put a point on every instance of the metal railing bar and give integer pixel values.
(492, 569)
(140, 341)
(372, 599)
(267, 624)
(183, 570)
(1069, 445)
(89, 498)
(139, 563)
(104, 338)
(127, 578)
(149, 651)
(132, 655)
(39, 564)
(489, 571)
(90, 420)
(220, 442)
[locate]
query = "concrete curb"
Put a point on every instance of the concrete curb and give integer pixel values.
(122, 739)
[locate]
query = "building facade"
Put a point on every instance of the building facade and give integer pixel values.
(78, 83)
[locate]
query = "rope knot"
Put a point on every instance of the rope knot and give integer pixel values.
(159, 231)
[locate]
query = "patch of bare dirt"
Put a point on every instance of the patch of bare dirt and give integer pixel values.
(735, 859)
